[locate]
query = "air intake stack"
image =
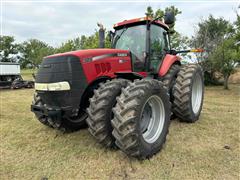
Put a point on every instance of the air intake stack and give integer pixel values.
(101, 32)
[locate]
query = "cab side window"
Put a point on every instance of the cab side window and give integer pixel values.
(159, 45)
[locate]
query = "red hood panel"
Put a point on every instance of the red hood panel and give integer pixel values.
(91, 52)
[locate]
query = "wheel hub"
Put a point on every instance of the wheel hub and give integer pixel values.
(197, 92)
(153, 118)
(146, 118)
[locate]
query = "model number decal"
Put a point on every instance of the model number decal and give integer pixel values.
(122, 61)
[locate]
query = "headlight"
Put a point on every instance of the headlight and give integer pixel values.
(59, 86)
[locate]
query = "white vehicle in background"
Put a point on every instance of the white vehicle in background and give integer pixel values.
(10, 76)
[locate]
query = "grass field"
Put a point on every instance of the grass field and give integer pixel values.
(208, 149)
(27, 74)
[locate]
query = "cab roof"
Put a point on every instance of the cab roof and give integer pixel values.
(139, 20)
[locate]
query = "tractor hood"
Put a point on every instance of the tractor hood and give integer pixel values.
(95, 54)
(94, 62)
(63, 78)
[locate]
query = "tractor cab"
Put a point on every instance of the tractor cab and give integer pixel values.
(146, 39)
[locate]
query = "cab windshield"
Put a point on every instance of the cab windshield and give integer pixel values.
(132, 39)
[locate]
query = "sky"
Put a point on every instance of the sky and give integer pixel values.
(57, 21)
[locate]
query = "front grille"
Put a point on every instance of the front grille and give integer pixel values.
(62, 68)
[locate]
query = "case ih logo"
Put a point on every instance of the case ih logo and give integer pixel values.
(121, 54)
(95, 58)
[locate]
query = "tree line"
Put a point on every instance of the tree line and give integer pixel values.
(30, 53)
(218, 37)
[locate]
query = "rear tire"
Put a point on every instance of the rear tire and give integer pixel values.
(100, 110)
(188, 93)
(170, 79)
(142, 118)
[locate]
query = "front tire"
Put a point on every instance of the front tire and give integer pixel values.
(142, 118)
(100, 110)
(41, 118)
(66, 124)
(188, 93)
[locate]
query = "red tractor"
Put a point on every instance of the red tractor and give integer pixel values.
(126, 94)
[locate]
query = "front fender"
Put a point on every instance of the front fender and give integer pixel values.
(168, 61)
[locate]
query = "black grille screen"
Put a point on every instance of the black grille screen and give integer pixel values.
(58, 69)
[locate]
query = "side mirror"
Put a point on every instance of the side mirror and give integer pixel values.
(169, 18)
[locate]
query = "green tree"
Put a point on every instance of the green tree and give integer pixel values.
(159, 13)
(237, 28)
(178, 41)
(149, 12)
(91, 41)
(225, 57)
(83, 42)
(209, 35)
(33, 51)
(176, 12)
(69, 45)
(9, 49)
(173, 9)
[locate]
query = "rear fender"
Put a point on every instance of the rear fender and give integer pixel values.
(168, 61)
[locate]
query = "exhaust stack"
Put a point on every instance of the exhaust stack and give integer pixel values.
(101, 32)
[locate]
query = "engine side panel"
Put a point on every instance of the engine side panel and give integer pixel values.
(106, 65)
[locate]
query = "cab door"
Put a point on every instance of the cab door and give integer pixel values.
(158, 46)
